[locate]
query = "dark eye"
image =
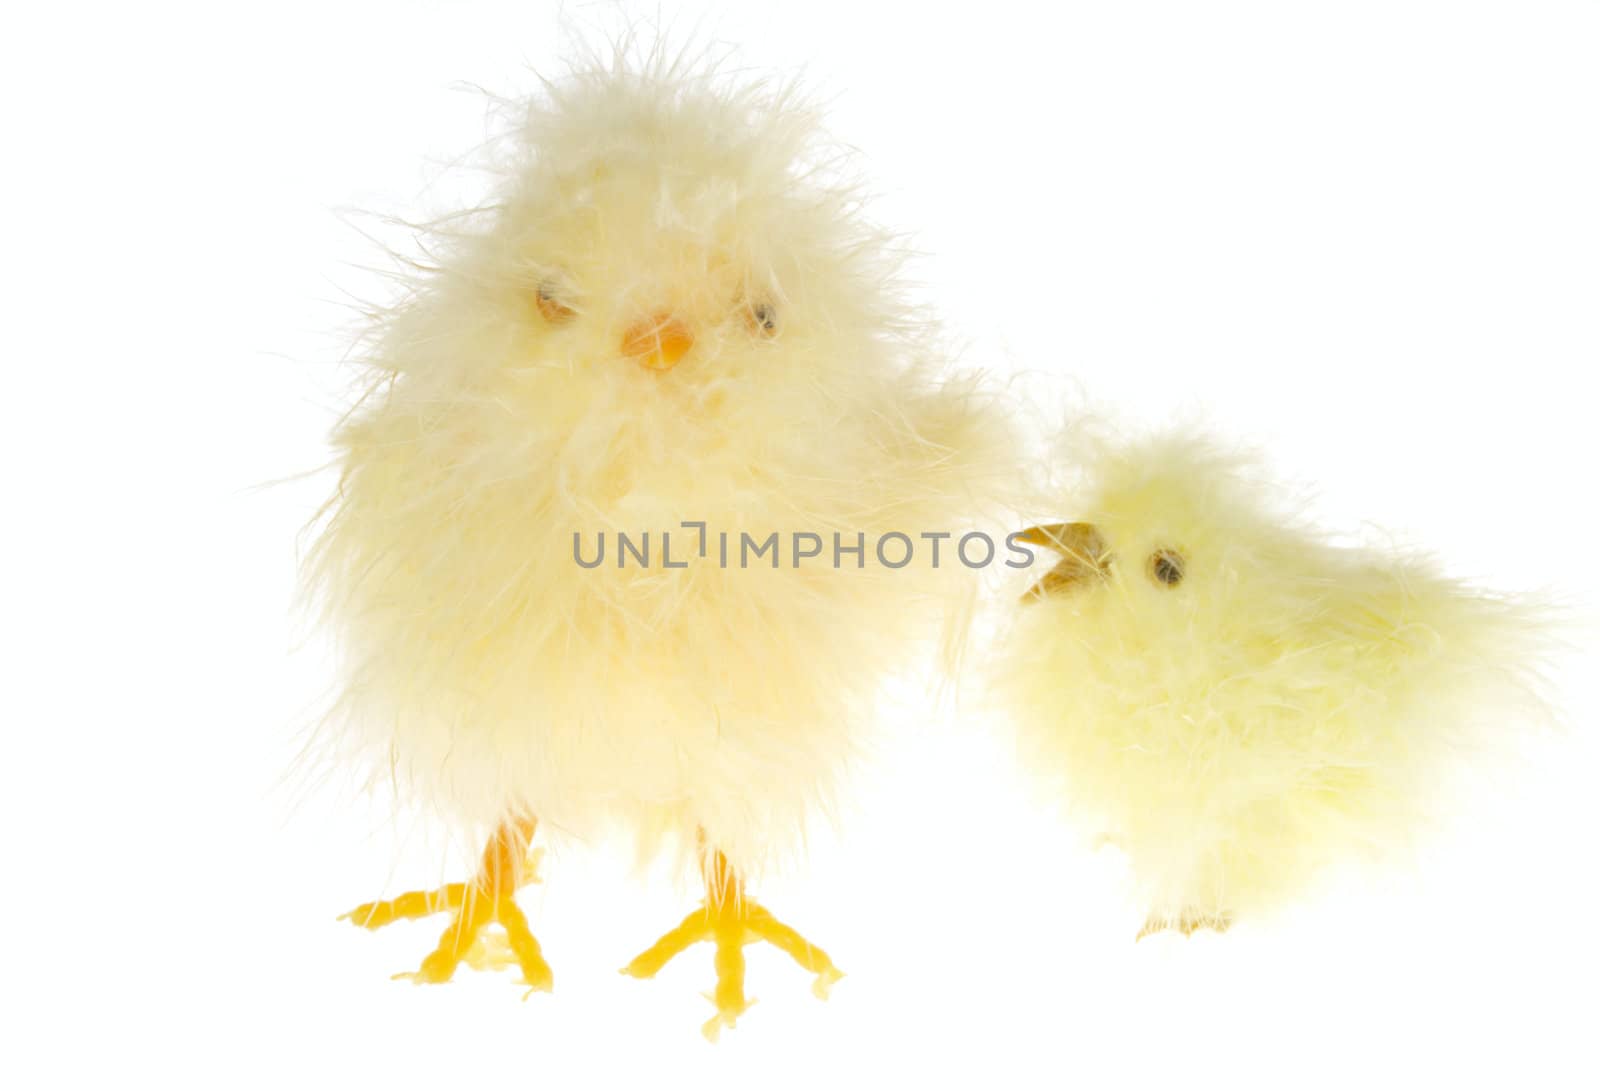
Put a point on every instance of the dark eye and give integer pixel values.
(763, 319)
(548, 298)
(1166, 567)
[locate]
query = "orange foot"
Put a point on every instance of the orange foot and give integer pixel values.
(488, 899)
(730, 920)
(1188, 922)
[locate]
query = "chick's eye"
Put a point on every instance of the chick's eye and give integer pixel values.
(548, 298)
(763, 319)
(1166, 567)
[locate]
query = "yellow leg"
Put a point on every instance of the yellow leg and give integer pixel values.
(730, 920)
(1188, 922)
(489, 899)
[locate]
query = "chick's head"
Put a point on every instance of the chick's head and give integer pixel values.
(1181, 559)
(668, 261)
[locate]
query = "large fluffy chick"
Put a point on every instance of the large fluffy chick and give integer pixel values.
(1234, 701)
(667, 314)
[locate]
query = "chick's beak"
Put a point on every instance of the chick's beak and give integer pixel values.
(1084, 551)
(657, 342)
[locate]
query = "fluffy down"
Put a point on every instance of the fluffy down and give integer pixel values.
(1238, 703)
(506, 410)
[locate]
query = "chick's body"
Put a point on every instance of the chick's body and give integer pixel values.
(1237, 702)
(665, 317)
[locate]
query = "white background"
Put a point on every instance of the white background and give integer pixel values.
(1364, 234)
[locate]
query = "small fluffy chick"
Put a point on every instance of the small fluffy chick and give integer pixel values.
(1238, 702)
(667, 313)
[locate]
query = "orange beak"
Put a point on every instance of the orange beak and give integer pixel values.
(658, 342)
(1084, 551)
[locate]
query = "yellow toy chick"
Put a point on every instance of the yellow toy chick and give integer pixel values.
(1237, 701)
(584, 555)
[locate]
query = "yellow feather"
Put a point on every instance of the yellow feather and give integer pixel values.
(1280, 704)
(642, 206)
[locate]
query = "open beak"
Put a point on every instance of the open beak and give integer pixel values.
(657, 342)
(1084, 554)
